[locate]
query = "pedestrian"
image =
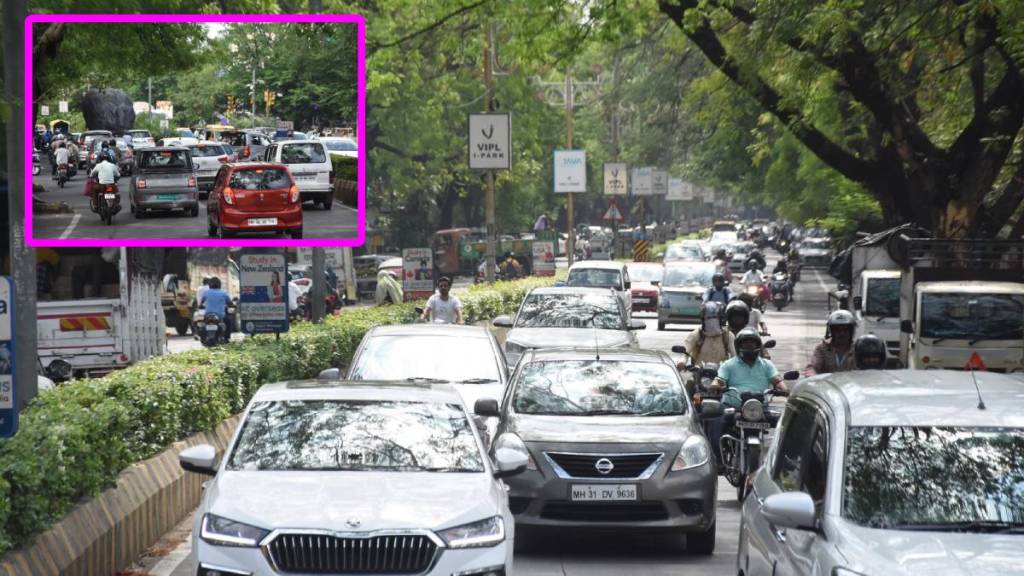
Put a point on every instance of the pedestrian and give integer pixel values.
(541, 224)
(443, 306)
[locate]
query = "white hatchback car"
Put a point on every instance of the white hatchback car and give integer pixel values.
(334, 477)
(903, 473)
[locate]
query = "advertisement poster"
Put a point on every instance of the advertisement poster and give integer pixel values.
(543, 258)
(570, 171)
(417, 273)
(263, 292)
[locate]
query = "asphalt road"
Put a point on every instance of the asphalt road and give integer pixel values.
(796, 330)
(339, 222)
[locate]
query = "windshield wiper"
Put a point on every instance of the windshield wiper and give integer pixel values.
(477, 381)
(661, 413)
(608, 413)
(985, 526)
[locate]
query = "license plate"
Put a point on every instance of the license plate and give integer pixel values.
(211, 328)
(166, 196)
(753, 425)
(262, 221)
(109, 196)
(305, 176)
(602, 492)
(642, 300)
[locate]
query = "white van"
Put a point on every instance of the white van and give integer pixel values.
(310, 166)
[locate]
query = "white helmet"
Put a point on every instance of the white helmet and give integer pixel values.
(841, 318)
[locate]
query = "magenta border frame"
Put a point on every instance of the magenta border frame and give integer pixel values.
(356, 19)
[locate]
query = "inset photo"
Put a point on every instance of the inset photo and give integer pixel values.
(195, 130)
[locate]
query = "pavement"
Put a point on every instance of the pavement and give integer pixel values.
(339, 222)
(796, 329)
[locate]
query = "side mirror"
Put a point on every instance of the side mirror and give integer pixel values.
(791, 375)
(629, 285)
(711, 409)
(790, 510)
(502, 322)
(637, 325)
(680, 349)
(201, 459)
(858, 302)
(329, 374)
(655, 282)
(769, 343)
(907, 327)
(486, 407)
(510, 456)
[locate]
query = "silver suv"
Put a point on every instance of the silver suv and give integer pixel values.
(901, 473)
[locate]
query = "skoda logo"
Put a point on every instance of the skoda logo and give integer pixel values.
(353, 522)
(604, 466)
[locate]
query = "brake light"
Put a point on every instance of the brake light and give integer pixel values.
(245, 151)
(191, 181)
(109, 188)
(229, 195)
(140, 183)
(293, 193)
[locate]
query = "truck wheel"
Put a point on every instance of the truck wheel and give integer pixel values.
(181, 327)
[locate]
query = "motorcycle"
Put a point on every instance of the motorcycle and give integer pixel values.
(757, 291)
(62, 175)
(37, 164)
(210, 329)
(741, 444)
(782, 291)
(107, 202)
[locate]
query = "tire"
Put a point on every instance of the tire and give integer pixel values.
(211, 229)
(296, 234)
(328, 203)
(181, 327)
(223, 232)
(194, 212)
(701, 543)
(661, 326)
(778, 307)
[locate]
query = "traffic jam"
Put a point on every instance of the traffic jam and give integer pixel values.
(448, 448)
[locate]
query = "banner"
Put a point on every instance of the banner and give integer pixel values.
(417, 273)
(263, 292)
(543, 258)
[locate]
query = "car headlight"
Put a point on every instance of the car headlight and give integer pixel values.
(224, 532)
(694, 453)
(752, 411)
(486, 532)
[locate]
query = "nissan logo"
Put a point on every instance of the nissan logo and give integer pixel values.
(604, 466)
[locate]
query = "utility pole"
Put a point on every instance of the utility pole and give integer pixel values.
(571, 248)
(489, 252)
(23, 258)
(318, 290)
(252, 109)
(150, 100)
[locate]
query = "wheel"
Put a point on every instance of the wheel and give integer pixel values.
(661, 325)
(181, 327)
(328, 203)
(778, 307)
(194, 212)
(105, 215)
(223, 232)
(211, 229)
(296, 234)
(139, 213)
(701, 543)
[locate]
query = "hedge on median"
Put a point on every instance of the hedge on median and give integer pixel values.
(73, 441)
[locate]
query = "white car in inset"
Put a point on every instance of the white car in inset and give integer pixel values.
(335, 477)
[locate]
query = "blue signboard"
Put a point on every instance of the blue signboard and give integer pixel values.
(263, 291)
(8, 403)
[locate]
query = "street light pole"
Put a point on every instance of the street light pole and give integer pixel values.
(571, 248)
(490, 251)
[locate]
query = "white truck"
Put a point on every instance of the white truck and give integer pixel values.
(875, 289)
(100, 312)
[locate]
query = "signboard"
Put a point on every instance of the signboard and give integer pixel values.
(263, 292)
(659, 182)
(616, 182)
(613, 213)
(642, 181)
(141, 107)
(543, 258)
(570, 171)
(709, 196)
(490, 141)
(62, 107)
(675, 189)
(8, 406)
(166, 107)
(44, 110)
(688, 191)
(417, 273)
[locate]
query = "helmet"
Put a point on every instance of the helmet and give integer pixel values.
(737, 309)
(721, 254)
(752, 341)
(712, 310)
(716, 277)
(841, 318)
(104, 145)
(869, 352)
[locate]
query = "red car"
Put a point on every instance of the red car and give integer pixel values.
(645, 278)
(254, 197)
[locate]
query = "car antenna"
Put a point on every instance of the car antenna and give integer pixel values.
(981, 403)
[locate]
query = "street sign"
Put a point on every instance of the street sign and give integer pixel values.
(612, 213)
(490, 141)
(659, 182)
(62, 107)
(675, 189)
(642, 181)
(8, 405)
(688, 190)
(417, 273)
(263, 292)
(570, 171)
(543, 258)
(616, 182)
(44, 110)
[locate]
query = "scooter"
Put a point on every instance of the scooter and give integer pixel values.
(210, 329)
(62, 175)
(781, 290)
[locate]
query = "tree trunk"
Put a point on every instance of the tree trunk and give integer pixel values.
(449, 198)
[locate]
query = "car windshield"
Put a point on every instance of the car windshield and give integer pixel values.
(815, 244)
(683, 252)
(185, 134)
(260, 179)
(883, 298)
(934, 478)
(570, 311)
(356, 435)
(646, 273)
(139, 133)
(594, 278)
(972, 316)
(451, 358)
(723, 236)
(204, 151)
(305, 153)
(598, 387)
(679, 277)
(165, 160)
(341, 145)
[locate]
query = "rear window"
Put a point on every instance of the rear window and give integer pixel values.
(204, 151)
(341, 145)
(164, 159)
(305, 153)
(260, 179)
(139, 133)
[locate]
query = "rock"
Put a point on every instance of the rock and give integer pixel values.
(108, 109)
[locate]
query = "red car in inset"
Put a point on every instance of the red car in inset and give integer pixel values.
(254, 197)
(645, 278)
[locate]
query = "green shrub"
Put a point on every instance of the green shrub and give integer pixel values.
(345, 168)
(73, 441)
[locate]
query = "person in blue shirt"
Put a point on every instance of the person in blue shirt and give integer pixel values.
(718, 292)
(215, 300)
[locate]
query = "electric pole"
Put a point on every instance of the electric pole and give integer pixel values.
(318, 290)
(489, 252)
(571, 248)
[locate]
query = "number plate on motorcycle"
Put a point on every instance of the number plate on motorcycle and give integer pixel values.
(753, 425)
(211, 328)
(262, 221)
(602, 492)
(109, 196)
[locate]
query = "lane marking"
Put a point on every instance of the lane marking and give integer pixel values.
(71, 226)
(817, 276)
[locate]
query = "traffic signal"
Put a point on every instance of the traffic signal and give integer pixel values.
(268, 98)
(231, 105)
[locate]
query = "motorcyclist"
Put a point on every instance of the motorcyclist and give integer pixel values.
(105, 172)
(215, 301)
(869, 352)
(718, 292)
(756, 256)
(711, 342)
(721, 262)
(753, 275)
(389, 291)
(61, 156)
(834, 353)
(201, 292)
(510, 266)
(755, 319)
(748, 371)
(781, 266)
(737, 316)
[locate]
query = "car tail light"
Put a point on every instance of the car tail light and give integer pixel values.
(229, 195)
(293, 193)
(140, 184)
(245, 152)
(191, 181)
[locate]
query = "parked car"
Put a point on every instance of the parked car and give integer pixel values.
(309, 164)
(614, 444)
(337, 146)
(562, 316)
(208, 156)
(645, 277)
(164, 179)
(682, 292)
(688, 251)
(908, 472)
(320, 472)
(141, 139)
(254, 197)
(603, 274)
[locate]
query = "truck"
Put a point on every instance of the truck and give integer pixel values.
(98, 309)
(185, 269)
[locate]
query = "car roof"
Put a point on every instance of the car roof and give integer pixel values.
(283, 142)
(921, 397)
(600, 264)
(610, 354)
(459, 330)
(572, 290)
(358, 390)
(972, 287)
(165, 149)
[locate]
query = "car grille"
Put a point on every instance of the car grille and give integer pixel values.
(324, 554)
(585, 465)
(604, 512)
(518, 504)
